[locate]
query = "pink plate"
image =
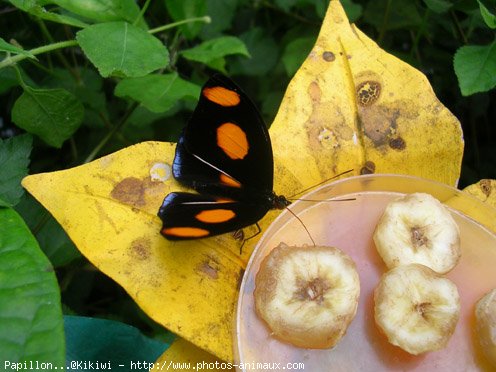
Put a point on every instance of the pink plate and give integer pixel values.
(349, 225)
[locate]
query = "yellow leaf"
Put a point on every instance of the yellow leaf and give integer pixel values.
(484, 190)
(184, 356)
(108, 207)
(352, 105)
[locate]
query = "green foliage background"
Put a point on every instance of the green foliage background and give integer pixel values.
(79, 90)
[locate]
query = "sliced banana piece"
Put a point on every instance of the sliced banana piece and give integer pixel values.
(307, 296)
(416, 308)
(485, 320)
(417, 228)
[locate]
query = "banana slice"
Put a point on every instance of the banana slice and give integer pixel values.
(416, 308)
(417, 228)
(307, 295)
(485, 320)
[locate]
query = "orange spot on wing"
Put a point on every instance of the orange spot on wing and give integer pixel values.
(221, 96)
(224, 200)
(185, 232)
(232, 140)
(215, 215)
(226, 180)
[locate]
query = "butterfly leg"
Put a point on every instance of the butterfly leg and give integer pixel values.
(250, 237)
(238, 235)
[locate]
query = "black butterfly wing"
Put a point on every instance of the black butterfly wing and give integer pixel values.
(194, 173)
(190, 216)
(225, 154)
(225, 148)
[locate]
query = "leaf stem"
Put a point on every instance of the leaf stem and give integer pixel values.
(58, 53)
(173, 49)
(205, 19)
(8, 61)
(19, 78)
(459, 27)
(110, 134)
(73, 147)
(43, 49)
(142, 12)
(419, 34)
(269, 5)
(385, 21)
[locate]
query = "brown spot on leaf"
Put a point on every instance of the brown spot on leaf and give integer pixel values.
(368, 168)
(325, 134)
(139, 194)
(208, 270)
(328, 56)
(379, 123)
(397, 143)
(130, 191)
(209, 267)
(385, 124)
(314, 92)
(103, 216)
(140, 248)
(368, 92)
(485, 186)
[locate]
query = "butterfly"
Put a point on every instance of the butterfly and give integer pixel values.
(224, 153)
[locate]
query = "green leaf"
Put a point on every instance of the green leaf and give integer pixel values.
(121, 49)
(320, 7)
(52, 239)
(14, 161)
(158, 93)
(180, 10)
(102, 10)
(286, 5)
(9, 78)
(353, 11)
(7, 47)
(141, 120)
(438, 6)
(106, 341)
(401, 14)
(475, 68)
(212, 52)
(488, 16)
(222, 13)
(295, 53)
(51, 114)
(32, 7)
(263, 50)
(30, 312)
(139, 126)
(87, 88)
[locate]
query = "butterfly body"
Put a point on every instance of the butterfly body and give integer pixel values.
(225, 154)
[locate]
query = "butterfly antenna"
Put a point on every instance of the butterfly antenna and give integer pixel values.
(321, 183)
(321, 201)
(302, 224)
